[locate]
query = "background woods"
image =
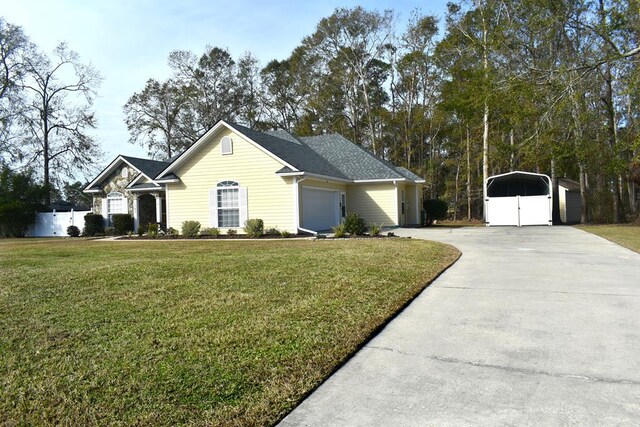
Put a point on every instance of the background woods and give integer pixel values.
(492, 86)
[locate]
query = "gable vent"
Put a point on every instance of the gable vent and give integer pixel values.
(226, 145)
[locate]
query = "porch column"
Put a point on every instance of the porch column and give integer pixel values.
(158, 208)
(136, 213)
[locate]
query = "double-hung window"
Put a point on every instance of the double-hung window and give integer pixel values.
(228, 199)
(116, 203)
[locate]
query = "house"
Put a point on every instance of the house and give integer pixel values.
(233, 173)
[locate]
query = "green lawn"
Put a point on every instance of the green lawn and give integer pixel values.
(184, 332)
(625, 235)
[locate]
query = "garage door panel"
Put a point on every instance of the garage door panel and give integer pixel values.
(319, 209)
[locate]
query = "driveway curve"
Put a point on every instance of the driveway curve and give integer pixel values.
(533, 325)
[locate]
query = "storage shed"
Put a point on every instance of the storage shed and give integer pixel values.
(569, 201)
(519, 198)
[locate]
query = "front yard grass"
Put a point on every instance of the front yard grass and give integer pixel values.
(625, 235)
(198, 333)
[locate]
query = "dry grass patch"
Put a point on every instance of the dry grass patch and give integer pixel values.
(198, 333)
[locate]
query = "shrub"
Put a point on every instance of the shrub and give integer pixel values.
(93, 224)
(340, 231)
(190, 228)
(435, 209)
(172, 232)
(73, 231)
(109, 231)
(152, 230)
(354, 224)
(231, 232)
(254, 227)
(210, 231)
(285, 234)
(273, 231)
(20, 198)
(122, 223)
(375, 230)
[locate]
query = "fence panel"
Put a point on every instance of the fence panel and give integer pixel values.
(54, 224)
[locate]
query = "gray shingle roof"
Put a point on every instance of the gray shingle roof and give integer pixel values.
(408, 174)
(351, 159)
(297, 154)
(150, 168)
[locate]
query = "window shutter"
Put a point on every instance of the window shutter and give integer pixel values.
(242, 196)
(104, 207)
(213, 207)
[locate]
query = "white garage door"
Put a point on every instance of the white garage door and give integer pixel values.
(319, 209)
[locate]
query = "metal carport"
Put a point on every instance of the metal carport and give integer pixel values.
(519, 198)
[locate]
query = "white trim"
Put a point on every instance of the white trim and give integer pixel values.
(417, 217)
(419, 181)
(290, 173)
(142, 190)
(296, 202)
(316, 176)
(166, 205)
(109, 169)
(167, 181)
(206, 138)
(395, 185)
(92, 191)
(394, 180)
(136, 213)
(138, 178)
(320, 188)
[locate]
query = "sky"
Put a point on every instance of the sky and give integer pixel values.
(128, 41)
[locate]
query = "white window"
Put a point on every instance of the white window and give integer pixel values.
(116, 203)
(228, 205)
(125, 172)
(226, 145)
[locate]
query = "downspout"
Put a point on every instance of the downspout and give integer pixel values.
(296, 204)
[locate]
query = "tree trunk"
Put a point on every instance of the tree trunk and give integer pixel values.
(485, 122)
(45, 146)
(631, 190)
(513, 154)
(468, 176)
(584, 217)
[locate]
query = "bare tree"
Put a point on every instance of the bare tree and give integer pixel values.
(57, 113)
(13, 45)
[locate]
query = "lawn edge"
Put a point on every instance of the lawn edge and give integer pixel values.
(373, 334)
(579, 227)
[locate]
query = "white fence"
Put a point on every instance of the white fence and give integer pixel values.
(52, 224)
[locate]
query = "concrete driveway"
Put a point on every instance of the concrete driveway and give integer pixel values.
(533, 325)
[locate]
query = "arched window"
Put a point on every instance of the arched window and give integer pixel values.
(116, 203)
(228, 204)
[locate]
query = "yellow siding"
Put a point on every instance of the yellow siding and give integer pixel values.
(269, 196)
(376, 203)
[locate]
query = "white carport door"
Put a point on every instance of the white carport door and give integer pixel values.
(319, 209)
